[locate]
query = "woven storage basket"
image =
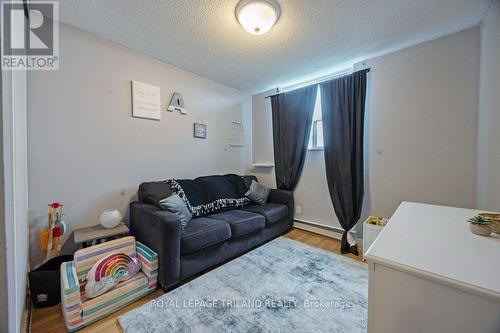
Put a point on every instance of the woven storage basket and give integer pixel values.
(494, 221)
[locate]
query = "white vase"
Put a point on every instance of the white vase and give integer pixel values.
(481, 230)
(110, 218)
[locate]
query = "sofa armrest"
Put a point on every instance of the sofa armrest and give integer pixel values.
(160, 231)
(71, 302)
(149, 261)
(284, 197)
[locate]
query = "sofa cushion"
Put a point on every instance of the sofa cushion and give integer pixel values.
(273, 212)
(177, 206)
(248, 179)
(258, 193)
(202, 232)
(241, 222)
(152, 192)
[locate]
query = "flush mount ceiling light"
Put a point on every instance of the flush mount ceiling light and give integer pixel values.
(257, 16)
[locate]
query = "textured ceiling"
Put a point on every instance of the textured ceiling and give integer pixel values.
(311, 36)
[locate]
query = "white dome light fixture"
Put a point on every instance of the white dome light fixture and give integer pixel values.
(257, 16)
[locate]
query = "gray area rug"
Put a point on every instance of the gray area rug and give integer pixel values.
(282, 286)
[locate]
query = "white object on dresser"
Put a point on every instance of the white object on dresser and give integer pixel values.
(370, 233)
(110, 218)
(429, 273)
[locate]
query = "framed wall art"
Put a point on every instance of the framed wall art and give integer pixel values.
(200, 130)
(145, 101)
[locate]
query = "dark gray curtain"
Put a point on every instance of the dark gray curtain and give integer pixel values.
(292, 117)
(343, 112)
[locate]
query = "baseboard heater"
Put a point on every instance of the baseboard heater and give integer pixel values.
(322, 229)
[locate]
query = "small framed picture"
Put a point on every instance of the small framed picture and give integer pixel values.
(200, 131)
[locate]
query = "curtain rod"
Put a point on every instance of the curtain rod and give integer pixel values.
(314, 81)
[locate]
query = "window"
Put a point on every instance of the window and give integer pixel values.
(316, 139)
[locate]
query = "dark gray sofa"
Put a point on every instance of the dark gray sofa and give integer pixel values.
(208, 240)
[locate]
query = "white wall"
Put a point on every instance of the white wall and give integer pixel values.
(85, 149)
(421, 115)
(262, 137)
(15, 187)
(488, 190)
(3, 246)
(16, 194)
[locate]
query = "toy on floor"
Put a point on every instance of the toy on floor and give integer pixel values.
(50, 238)
(78, 310)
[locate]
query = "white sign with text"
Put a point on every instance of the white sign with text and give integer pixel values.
(145, 101)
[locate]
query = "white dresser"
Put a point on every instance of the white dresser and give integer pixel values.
(428, 273)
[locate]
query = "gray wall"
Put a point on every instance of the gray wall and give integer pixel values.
(422, 112)
(85, 149)
(489, 115)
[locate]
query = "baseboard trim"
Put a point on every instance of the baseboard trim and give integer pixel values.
(322, 229)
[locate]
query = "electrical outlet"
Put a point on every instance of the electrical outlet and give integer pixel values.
(298, 210)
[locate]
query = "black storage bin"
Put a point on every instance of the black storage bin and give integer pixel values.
(45, 287)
